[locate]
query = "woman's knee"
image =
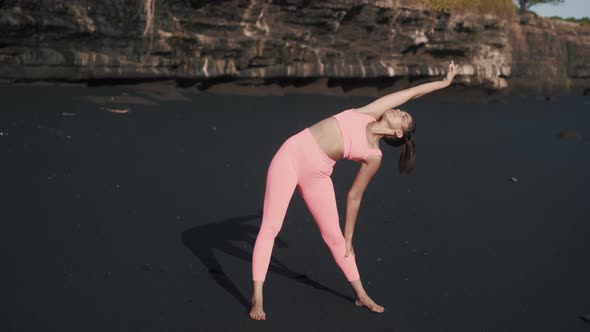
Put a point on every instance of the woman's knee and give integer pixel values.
(333, 239)
(269, 230)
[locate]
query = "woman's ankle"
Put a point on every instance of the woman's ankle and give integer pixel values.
(257, 291)
(358, 288)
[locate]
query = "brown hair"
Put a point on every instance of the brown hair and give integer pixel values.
(408, 155)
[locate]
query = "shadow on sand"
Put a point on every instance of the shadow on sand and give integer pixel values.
(236, 237)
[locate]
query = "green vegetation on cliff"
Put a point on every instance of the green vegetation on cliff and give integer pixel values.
(504, 8)
(582, 21)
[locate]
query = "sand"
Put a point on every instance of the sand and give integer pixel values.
(144, 220)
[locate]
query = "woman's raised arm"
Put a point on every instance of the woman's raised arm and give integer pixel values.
(379, 106)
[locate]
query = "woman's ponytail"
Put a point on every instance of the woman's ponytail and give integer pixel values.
(408, 155)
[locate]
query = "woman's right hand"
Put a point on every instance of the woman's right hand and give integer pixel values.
(349, 249)
(452, 72)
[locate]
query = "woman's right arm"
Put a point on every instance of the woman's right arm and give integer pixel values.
(355, 194)
(390, 101)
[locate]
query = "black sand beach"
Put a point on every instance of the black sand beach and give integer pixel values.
(145, 221)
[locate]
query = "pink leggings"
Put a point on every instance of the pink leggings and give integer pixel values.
(300, 162)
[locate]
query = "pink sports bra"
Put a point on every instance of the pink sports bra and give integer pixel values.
(353, 126)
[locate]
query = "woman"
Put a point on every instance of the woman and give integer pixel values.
(306, 160)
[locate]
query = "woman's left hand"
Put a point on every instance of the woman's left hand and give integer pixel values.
(349, 249)
(452, 72)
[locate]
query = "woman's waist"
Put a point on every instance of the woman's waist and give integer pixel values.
(329, 143)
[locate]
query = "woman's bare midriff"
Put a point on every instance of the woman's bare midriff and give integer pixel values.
(327, 134)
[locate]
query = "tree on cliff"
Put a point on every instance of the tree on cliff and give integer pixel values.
(526, 4)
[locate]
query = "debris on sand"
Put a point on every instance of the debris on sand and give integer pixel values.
(570, 134)
(514, 179)
(146, 267)
(67, 114)
(115, 110)
(547, 98)
(119, 101)
(150, 268)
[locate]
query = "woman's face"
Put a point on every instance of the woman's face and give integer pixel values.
(398, 121)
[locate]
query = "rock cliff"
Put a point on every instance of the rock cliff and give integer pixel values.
(205, 42)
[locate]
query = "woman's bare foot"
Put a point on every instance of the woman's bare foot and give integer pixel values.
(257, 313)
(365, 301)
